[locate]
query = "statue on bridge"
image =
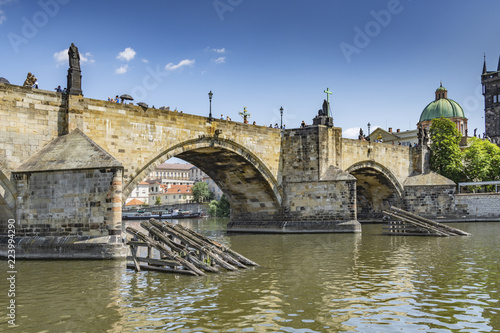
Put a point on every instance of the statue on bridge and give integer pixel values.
(74, 57)
(324, 114)
(30, 80)
(74, 71)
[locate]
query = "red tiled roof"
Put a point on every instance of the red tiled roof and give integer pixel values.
(179, 189)
(134, 202)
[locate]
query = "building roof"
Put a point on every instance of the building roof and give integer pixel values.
(134, 202)
(391, 136)
(179, 189)
(68, 152)
(174, 166)
(442, 107)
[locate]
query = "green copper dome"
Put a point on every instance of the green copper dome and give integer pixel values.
(443, 107)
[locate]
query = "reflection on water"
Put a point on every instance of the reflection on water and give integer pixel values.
(364, 282)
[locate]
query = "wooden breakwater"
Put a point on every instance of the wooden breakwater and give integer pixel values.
(181, 251)
(404, 223)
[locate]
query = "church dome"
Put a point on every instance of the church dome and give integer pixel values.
(442, 107)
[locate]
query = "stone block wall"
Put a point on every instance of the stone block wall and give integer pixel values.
(397, 159)
(430, 201)
(320, 201)
(29, 119)
(482, 205)
(68, 203)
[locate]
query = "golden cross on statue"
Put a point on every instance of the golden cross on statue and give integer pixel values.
(328, 93)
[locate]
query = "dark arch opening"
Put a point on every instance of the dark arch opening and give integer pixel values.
(376, 190)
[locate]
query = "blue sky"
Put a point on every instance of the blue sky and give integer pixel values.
(383, 60)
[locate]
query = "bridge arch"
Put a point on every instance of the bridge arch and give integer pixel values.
(376, 189)
(242, 176)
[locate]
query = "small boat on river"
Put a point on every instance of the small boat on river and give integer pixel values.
(160, 215)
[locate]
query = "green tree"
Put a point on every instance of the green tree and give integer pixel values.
(220, 208)
(158, 200)
(446, 157)
(213, 207)
(224, 207)
(200, 192)
(481, 161)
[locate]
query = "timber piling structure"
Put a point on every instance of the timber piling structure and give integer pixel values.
(181, 251)
(409, 224)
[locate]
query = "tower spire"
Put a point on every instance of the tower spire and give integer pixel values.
(484, 64)
(498, 68)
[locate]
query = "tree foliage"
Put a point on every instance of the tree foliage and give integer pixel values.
(200, 192)
(220, 208)
(481, 161)
(446, 157)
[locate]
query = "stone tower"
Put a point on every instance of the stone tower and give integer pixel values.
(491, 91)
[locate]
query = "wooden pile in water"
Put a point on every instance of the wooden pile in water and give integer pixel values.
(181, 251)
(409, 224)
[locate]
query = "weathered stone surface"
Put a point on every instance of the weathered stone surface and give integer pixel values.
(478, 206)
(74, 247)
(67, 152)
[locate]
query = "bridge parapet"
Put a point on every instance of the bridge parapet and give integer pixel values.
(397, 160)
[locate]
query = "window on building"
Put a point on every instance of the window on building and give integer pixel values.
(495, 98)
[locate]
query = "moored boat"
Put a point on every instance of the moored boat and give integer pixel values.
(159, 215)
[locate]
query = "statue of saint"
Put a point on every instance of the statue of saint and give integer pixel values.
(74, 56)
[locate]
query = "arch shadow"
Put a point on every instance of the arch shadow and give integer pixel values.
(376, 189)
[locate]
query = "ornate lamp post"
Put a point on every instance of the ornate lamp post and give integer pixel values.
(210, 98)
(281, 113)
(369, 131)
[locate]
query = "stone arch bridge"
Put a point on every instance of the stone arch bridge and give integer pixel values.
(68, 163)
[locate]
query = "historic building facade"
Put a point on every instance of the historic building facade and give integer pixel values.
(491, 92)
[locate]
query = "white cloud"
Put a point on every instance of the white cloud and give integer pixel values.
(121, 70)
(182, 63)
(351, 133)
(221, 51)
(146, 61)
(220, 60)
(127, 54)
(61, 58)
(86, 58)
(2, 17)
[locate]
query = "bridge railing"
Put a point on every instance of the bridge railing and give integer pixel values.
(479, 187)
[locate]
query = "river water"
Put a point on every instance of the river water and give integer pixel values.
(365, 282)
